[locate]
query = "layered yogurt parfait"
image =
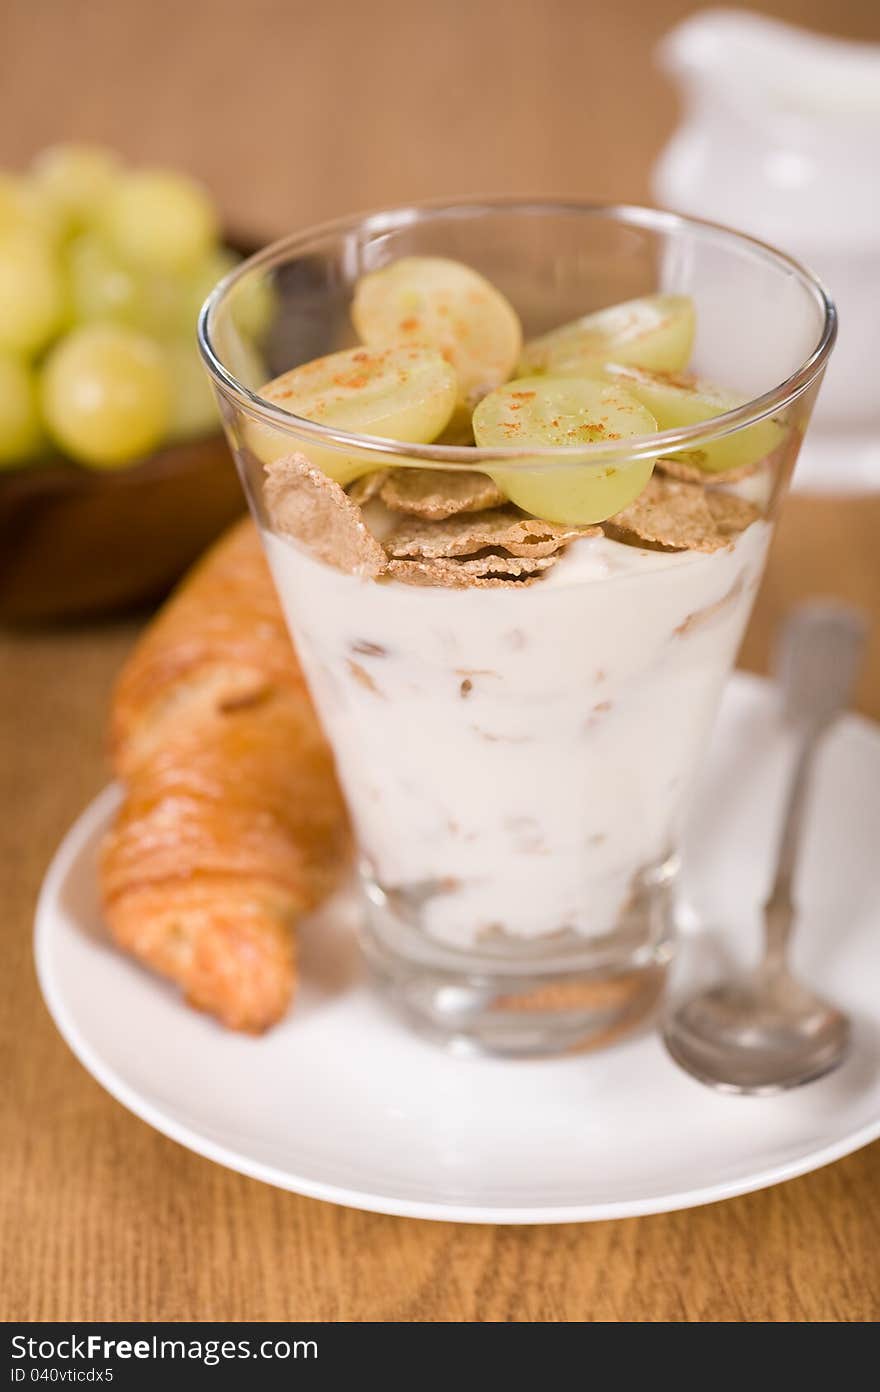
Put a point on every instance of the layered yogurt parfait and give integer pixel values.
(517, 566)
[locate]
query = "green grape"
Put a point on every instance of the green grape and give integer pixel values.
(398, 393)
(241, 355)
(253, 305)
(169, 304)
(159, 220)
(679, 401)
(75, 180)
(106, 395)
(24, 208)
(21, 434)
(158, 310)
(193, 406)
(177, 300)
(557, 411)
(32, 294)
(199, 284)
(442, 304)
(101, 287)
(656, 332)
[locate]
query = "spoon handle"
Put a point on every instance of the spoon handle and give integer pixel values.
(779, 908)
(819, 656)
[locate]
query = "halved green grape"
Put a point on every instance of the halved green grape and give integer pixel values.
(656, 332)
(193, 405)
(32, 297)
(106, 395)
(555, 411)
(101, 287)
(21, 433)
(75, 179)
(398, 393)
(442, 304)
(678, 401)
(159, 219)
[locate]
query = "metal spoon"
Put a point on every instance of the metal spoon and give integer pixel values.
(769, 1032)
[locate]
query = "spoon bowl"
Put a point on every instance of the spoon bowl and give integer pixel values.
(757, 1038)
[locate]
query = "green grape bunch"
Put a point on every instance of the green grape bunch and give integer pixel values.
(103, 269)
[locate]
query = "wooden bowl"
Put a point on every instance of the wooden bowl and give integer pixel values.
(77, 543)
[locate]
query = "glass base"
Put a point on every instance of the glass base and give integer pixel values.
(536, 999)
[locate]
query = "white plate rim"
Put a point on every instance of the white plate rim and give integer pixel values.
(95, 815)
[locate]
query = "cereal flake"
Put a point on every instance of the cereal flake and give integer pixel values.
(366, 487)
(678, 516)
(490, 570)
(438, 493)
(686, 468)
(303, 503)
(467, 533)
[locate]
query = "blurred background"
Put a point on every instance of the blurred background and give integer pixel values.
(293, 111)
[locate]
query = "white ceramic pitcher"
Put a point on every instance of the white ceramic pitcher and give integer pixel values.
(780, 137)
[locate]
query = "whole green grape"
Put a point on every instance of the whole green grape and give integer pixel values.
(253, 304)
(252, 301)
(75, 180)
(187, 291)
(33, 302)
(159, 220)
(101, 286)
(21, 434)
(193, 406)
(24, 208)
(106, 395)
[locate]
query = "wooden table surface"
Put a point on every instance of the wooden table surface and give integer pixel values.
(294, 112)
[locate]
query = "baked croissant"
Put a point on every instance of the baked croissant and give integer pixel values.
(233, 825)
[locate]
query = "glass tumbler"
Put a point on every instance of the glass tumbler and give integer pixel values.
(517, 760)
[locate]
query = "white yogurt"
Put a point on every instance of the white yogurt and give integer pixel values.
(530, 748)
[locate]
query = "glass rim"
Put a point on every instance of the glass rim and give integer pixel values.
(685, 438)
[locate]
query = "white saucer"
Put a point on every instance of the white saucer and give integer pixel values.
(341, 1102)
